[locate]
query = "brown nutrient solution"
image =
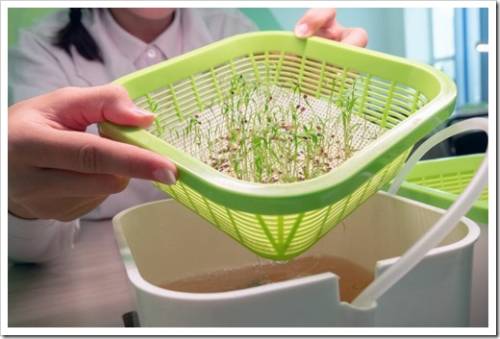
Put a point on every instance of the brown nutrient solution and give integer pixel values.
(353, 278)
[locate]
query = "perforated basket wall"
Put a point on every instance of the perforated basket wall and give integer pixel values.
(439, 182)
(281, 236)
(280, 221)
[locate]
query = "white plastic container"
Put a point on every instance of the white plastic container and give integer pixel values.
(163, 241)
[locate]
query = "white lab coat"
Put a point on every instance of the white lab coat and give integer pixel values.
(37, 67)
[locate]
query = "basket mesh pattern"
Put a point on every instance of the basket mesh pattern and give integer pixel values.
(452, 182)
(382, 104)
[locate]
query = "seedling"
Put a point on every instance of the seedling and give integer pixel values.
(346, 104)
(153, 108)
(271, 134)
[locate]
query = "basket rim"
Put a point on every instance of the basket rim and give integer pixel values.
(303, 195)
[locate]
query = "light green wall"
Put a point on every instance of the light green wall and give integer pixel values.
(263, 18)
(24, 17)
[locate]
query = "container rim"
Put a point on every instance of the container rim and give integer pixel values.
(473, 232)
(140, 283)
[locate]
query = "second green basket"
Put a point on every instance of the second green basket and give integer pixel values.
(439, 182)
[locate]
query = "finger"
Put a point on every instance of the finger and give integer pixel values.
(332, 31)
(88, 153)
(41, 183)
(78, 209)
(313, 20)
(62, 183)
(65, 208)
(76, 108)
(355, 36)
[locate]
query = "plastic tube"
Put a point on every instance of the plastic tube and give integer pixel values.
(442, 227)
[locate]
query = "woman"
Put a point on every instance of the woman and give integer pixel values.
(91, 47)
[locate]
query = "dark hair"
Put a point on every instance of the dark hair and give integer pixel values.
(75, 34)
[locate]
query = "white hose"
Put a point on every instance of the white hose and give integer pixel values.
(442, 227)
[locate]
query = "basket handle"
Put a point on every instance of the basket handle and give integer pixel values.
(442, 227)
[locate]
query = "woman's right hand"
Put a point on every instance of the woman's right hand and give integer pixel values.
(57, 170)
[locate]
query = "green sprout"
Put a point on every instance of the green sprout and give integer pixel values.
(263, 133)
(153, 108)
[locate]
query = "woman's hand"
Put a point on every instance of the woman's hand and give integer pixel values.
(57, 170)
(322, 22)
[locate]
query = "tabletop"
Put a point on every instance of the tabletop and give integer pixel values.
(88, 287)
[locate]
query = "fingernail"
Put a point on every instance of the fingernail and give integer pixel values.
(302, 30)
(165, 176)
(140, 111)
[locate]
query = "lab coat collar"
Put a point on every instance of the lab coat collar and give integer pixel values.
(128, 45)
(191, 33)
(195, 33)
(116, 64)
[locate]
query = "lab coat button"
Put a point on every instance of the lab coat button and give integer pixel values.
(151, 53)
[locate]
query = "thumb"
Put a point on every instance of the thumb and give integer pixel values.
(313, 21)
(76, 108)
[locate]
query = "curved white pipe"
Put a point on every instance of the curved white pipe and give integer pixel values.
(442, 227)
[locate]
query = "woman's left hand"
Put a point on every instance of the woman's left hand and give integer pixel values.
(322, 22)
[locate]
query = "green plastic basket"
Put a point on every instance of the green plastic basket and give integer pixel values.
(439, 182)
(281, 221)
